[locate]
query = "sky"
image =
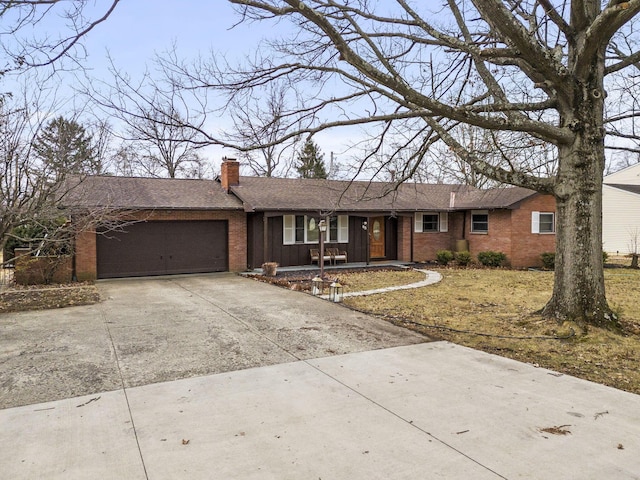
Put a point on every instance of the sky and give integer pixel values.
(138, 30)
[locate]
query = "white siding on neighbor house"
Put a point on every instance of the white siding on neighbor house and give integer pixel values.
(626, 176)
(620, 220)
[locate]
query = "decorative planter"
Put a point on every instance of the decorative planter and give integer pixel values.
(270, 269)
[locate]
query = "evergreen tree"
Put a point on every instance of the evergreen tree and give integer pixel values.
(64, 147)
(310, 162)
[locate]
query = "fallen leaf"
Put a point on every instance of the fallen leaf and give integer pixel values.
(559, 430)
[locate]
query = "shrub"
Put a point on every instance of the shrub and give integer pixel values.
(491, 259)
(444, 256)
(463, 258)
(548, 260)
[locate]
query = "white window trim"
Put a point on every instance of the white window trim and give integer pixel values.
(535, 223)
(479, 212)
(443, 222)
(343, 230)
(289, 230)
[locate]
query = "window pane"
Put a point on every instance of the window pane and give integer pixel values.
(546, 223)
(333, 230)
(479, 222)
(312, 230)
(343, 228)
(288, 235)
(430, 222)
(299, 228)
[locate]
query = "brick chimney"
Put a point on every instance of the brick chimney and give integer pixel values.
(229, 173)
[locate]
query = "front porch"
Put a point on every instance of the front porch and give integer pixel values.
(341, 266)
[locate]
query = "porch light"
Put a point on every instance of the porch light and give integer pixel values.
(336, 292)
(317, 286)
(322, 226)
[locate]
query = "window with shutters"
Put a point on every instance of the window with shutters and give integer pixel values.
(543, 222)
(304, 229)
(431, 222)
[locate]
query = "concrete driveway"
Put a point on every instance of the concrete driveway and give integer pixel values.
(329, 398)
(159, 329)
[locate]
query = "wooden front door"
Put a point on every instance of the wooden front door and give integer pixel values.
(376, 238)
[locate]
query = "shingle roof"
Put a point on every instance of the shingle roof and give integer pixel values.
(261, 193)
(149, 193)
(626, 188)
(500, 197)
(285, 194)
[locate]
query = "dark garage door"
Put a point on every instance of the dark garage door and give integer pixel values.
(162, 248)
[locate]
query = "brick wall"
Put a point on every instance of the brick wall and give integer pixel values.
(427, 244)
(526, 246)
(86, 253)
(32, 270)
(509, 232)
(498, 237)
(86, 256)
(405, 225)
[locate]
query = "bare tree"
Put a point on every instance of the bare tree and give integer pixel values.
(535, 70)
(31, 198)
(161, 135)
(24, 47)
(260, 120)
(162, 145)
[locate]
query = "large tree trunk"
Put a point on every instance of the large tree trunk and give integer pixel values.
(579, 290)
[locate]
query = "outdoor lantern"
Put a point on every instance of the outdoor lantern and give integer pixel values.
(322, 226)
(336, 292)
(317, 286)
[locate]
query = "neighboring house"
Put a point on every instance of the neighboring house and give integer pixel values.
(621, 211)
(238, 223)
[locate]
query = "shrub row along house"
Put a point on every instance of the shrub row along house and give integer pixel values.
(235, 223)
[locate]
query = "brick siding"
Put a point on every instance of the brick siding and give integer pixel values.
(32, 270)
(526, 246)
(405, 225)
(509, 232)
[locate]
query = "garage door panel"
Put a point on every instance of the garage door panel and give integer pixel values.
(159, 248)
(195, 248)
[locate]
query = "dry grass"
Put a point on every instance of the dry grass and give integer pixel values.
(378, 279)
(494, 311)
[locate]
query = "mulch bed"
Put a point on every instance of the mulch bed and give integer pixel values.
(39, 297)
(300, 280)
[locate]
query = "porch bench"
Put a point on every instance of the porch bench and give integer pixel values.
(337, 254)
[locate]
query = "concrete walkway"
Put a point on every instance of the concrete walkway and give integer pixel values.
(431, 277)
